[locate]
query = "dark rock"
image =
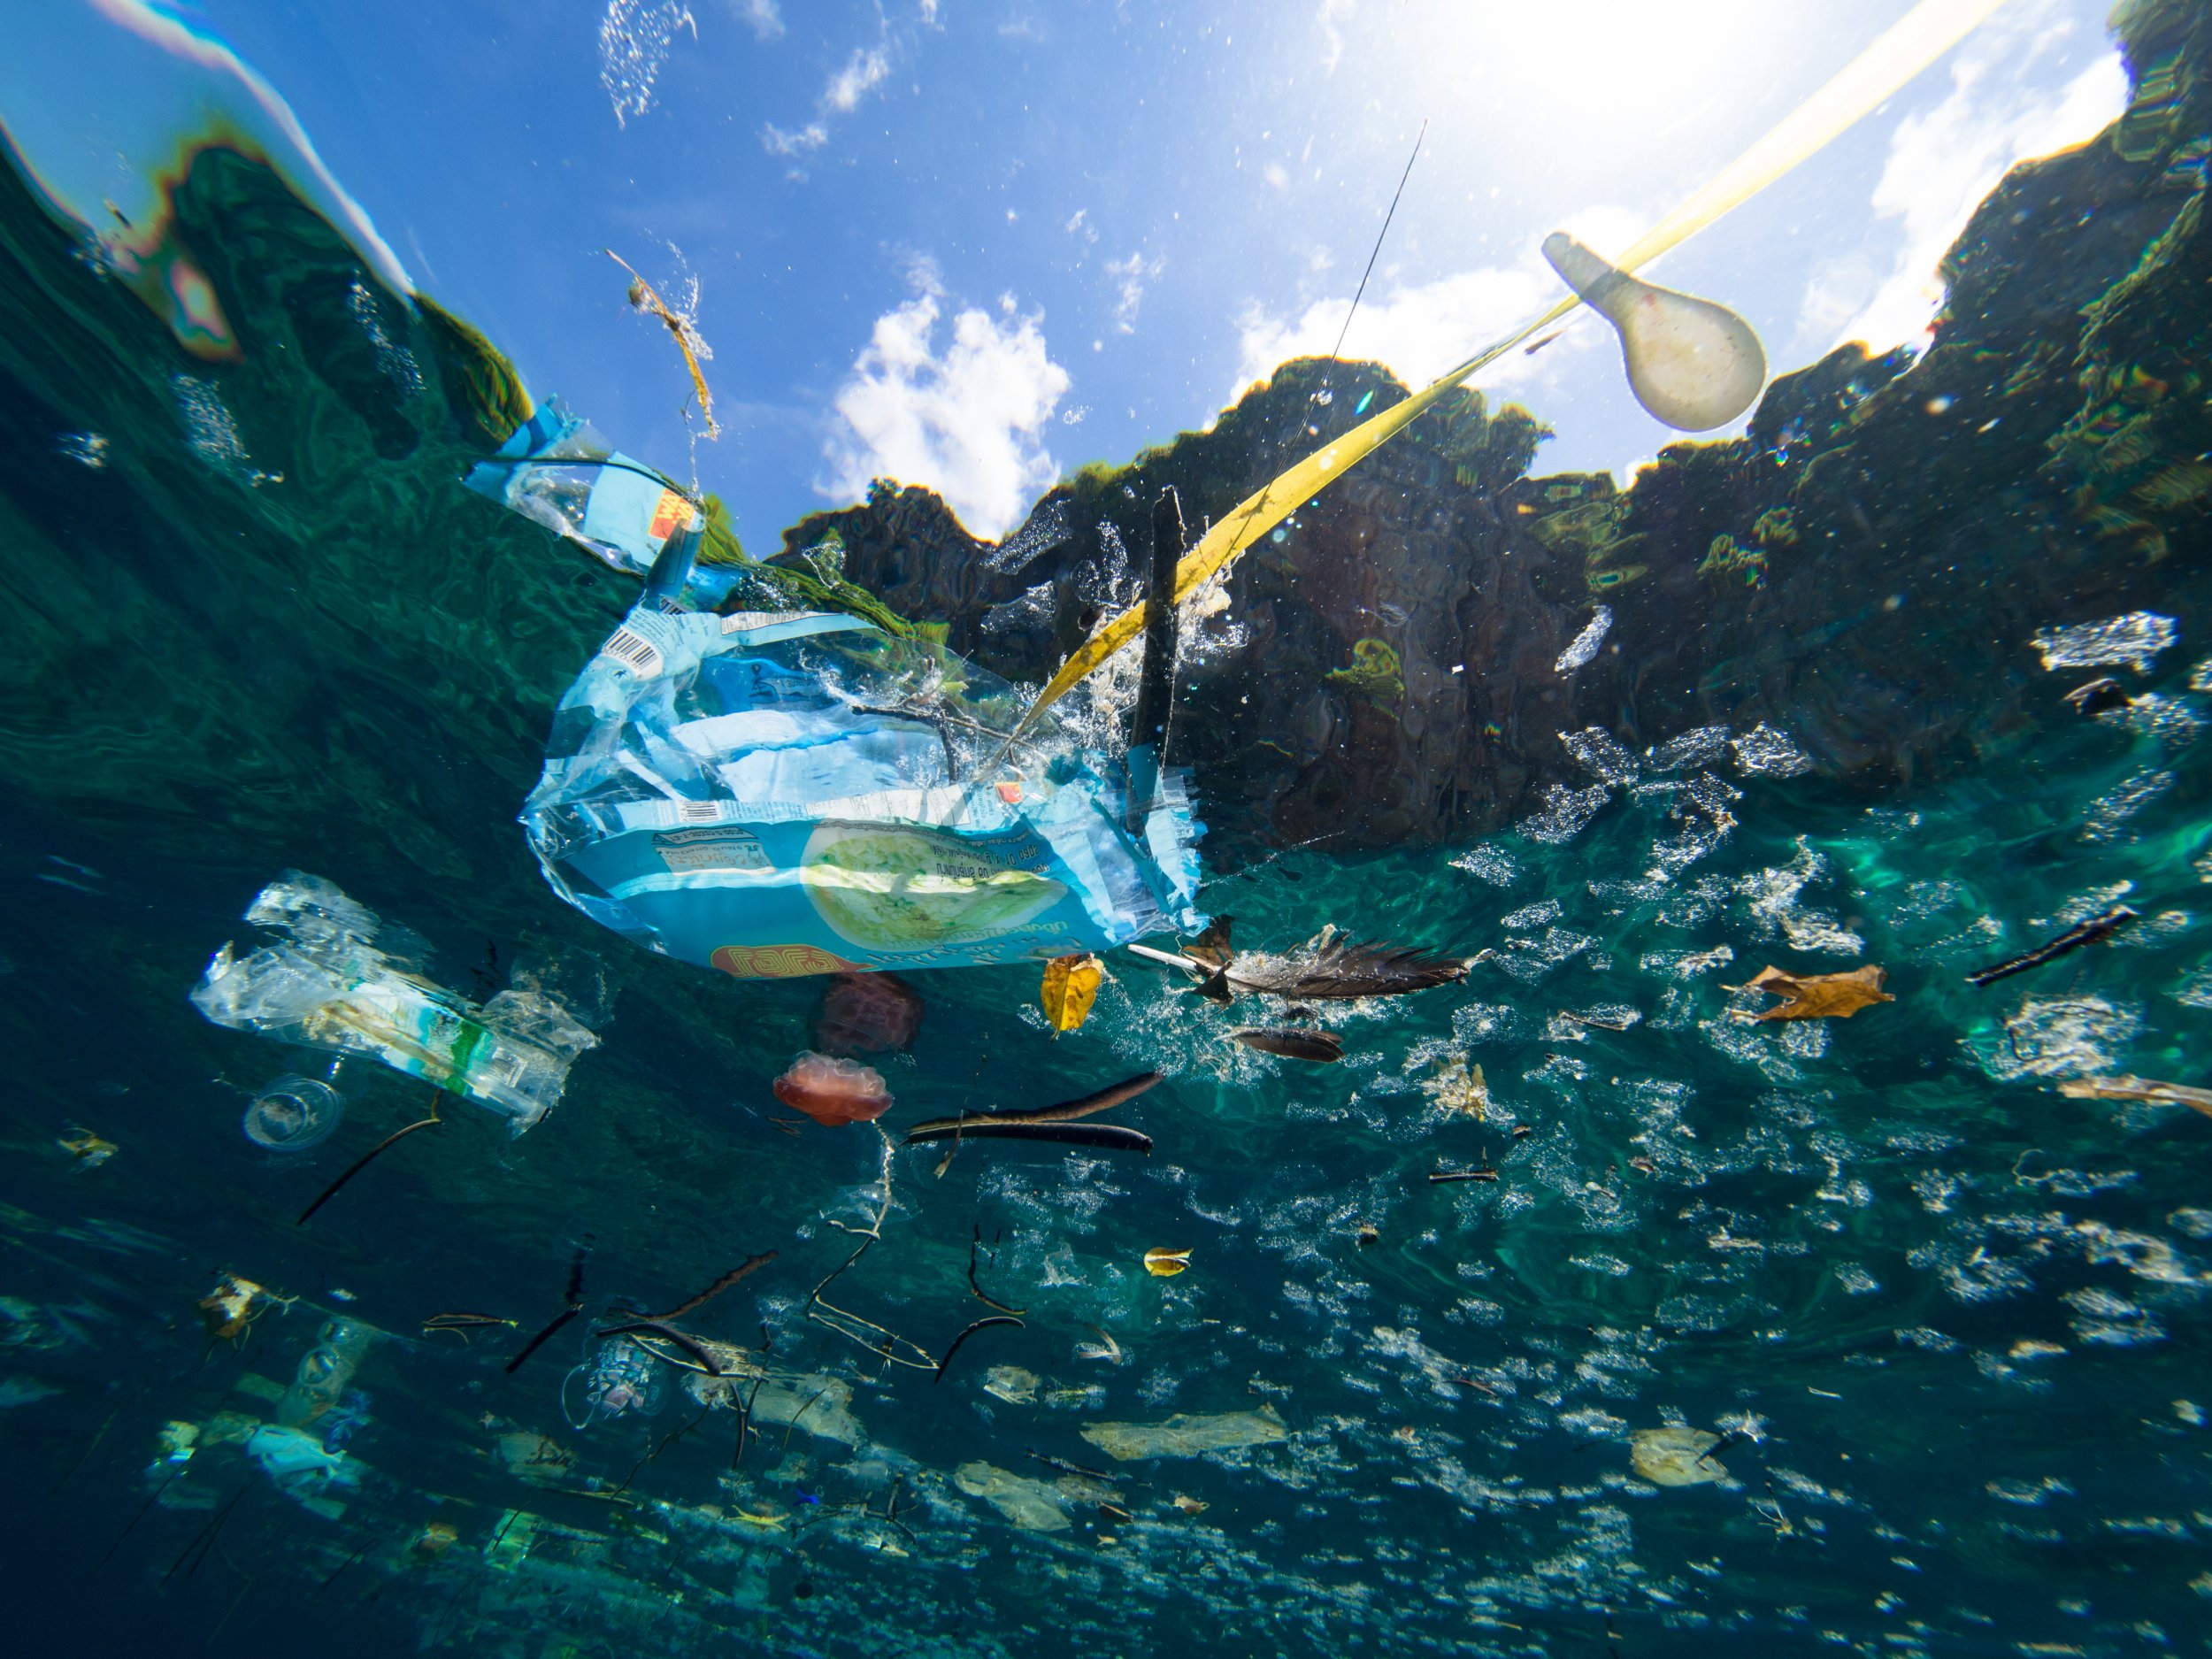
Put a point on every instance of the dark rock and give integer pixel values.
(1865, 568)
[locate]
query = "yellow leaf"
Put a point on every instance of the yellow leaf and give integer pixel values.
(1163, 1263)
(1817, 995)
(1071, 987)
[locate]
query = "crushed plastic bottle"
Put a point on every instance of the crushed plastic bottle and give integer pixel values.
(325, 983)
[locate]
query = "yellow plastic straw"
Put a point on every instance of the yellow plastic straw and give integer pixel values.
(1917, 39)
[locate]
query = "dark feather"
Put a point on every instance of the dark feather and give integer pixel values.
(1112, 1136)
(1294, 1043)
(1347, 968)
(1212, 946)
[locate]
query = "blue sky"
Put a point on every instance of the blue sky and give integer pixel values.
(975, 244)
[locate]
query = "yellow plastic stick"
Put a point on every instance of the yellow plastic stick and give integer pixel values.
(1917, 39)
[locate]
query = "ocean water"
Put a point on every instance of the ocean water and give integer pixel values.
(1943, 1325)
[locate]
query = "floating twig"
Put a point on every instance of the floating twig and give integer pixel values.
(367, 1158)
(751, 1264)
(980, 1325)
(643, 296)
(702, 1359)
(975, 1244)
(1066, 1111)
(1293, 1042)
(1109, 1137)
(461, 1323)
(2140, 1089)
(2102, 926)
(574, 1297)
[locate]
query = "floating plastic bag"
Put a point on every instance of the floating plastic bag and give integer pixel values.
(323, 983)
(795, 793)
(558, 472)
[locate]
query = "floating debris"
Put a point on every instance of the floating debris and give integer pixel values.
(461, 1323)
(1190, 1505)
(1071, 986)
(230, 1309)
(1294, 1043)
(2138, 1088)
(1163, 1263)
(1032, 1505)
(2135, 639)
(1815, 995)
(89, 1150)
(2098, 696)
(680, 328)
(1676, 1456)
(1186, 1436)
(980, 1324)
(1049, 1123)
(2099, 926)
(1459, 1089)
(367, 1158)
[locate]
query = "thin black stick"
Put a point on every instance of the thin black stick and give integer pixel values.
(979, 1325)
(1380, 235)
(331, 1191)
(751, 1264)
(974, 1244)
(2088, 933)
(542, 1339)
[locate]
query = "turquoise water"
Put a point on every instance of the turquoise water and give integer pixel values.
(1948, 1319)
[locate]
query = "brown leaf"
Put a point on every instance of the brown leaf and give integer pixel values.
(1816, 996)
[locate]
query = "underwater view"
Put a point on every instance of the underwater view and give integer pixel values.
(984, 828)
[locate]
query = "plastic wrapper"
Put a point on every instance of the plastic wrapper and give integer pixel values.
(557, 471)
(783, 793)
(326, 982)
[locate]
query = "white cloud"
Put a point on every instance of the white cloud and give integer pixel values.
(855, 80)
(1131, 276)
(1421, 330)
(1941, 165)
(966, 421)
(864, 71)
(1332, 36)
(760, 15)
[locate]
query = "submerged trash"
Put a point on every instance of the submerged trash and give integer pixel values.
(832, 1092)
(2140, 1089)
(1071, 986)
(1186, 1436)
(1032, 1505)
(229, 1310)
(89, 1149)
(1691, 363)
(294, 1113)
(2098, 696)
(1676, 1456)
(1163, 1263)
(778, 793)
(326, 984)
(2088, 933)
(867, 1013)
(1293, 1042)
(1459, 1089)
(1815, 995)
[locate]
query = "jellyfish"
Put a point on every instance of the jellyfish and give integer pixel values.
(834, 1092)
(293, 1114)
(867, 1013)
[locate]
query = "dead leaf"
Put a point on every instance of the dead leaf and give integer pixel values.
(1069, 989)
(1163, 1263)
(1816, 996)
